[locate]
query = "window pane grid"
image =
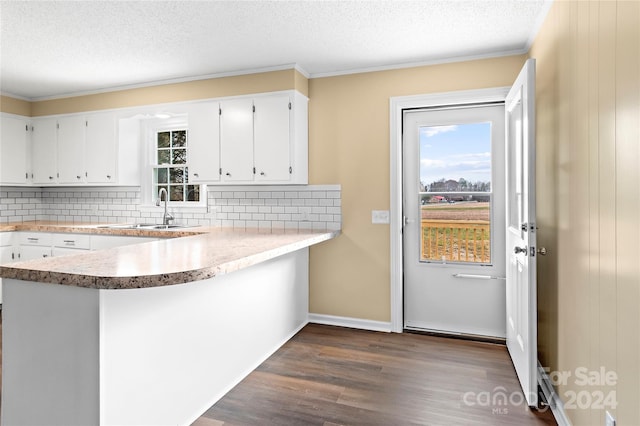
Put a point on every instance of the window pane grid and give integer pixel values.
(171, 171)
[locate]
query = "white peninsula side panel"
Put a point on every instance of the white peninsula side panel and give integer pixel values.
(160, 355)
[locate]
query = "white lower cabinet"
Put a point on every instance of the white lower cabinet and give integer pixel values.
(65, 244)
(6, 252)
(34, 245)
(33, 252)
(27, 245)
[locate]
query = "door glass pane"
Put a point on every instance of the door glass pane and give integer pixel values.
(455, 193)
(514, 167)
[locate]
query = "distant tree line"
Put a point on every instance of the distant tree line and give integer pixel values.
(461, 185)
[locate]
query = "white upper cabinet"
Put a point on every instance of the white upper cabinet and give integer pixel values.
(15, 139)
(236, 140)
(204, 142)
(100, 148)
(271, 146)
(71, 135)
(264, 139)
(255, 139)
(44, 150)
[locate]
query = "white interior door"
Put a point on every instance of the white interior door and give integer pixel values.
(453, 235)
(521, 230)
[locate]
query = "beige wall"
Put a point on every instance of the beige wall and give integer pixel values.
(349, 145)
(192, 90)
(588, 141)
(15, 106)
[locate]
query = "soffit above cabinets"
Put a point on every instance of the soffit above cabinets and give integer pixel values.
(52, 49)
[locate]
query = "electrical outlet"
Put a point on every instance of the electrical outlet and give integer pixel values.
(609, 420)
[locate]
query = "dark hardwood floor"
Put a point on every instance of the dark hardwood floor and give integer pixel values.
(336, 376)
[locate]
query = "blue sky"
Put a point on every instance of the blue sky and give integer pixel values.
(454, 152)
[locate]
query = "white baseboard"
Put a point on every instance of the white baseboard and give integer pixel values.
(553, 399)
(362, 324)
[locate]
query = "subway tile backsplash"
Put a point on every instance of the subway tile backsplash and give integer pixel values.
(315, 207)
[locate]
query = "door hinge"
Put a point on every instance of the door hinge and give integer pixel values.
(290, 170)
(26, 175)
(220, 171)
(57, 125)
(86, 123)
(26, 127)
(533, 251)
(289, 105)
(219, 111)
(254, 108)
(254, 170)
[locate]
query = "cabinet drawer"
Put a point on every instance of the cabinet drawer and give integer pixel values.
(77, 241)
(35, 239)
(63, 251)
(6, 238)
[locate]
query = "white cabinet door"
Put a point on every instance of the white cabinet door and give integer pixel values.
(236, 140)
(272, 138)
(100, 148)
(71, 134)
(34, 252)
(43, 150)
(6, 254)
(204, 142)
(14, 143)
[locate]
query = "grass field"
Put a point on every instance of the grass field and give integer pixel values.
(457, 211)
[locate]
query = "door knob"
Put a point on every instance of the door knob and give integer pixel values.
(518, 250)
(542, 251)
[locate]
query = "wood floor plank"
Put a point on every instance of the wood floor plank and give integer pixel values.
(332, 376)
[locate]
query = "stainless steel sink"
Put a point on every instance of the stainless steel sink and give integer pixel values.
(153, 226)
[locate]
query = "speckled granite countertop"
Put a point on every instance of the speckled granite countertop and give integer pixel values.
(198, 254)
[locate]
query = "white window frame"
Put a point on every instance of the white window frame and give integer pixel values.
(151, 128)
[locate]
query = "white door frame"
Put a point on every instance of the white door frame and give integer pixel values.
(396, 106)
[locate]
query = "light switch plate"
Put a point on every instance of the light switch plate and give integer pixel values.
(380, 216)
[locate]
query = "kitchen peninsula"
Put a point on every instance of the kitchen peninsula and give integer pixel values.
(152, 333)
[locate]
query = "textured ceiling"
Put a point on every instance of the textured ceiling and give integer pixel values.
(57, 48)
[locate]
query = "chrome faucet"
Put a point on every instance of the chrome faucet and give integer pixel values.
(166, 218)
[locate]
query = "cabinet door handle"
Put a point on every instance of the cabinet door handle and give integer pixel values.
(50, 177)
(45, 255)
(195, 175)
(261, 173)
(108, 176)
(78, 177)
(228, 174)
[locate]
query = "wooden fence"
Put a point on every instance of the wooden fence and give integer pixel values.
(456, 240)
